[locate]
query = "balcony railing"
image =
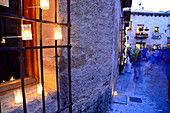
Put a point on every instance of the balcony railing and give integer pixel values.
(156, 35)
(141, 34)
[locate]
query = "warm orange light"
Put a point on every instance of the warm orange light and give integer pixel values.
(57, 33)
(39, 88)
(26, 32)
(44, 4)
(2, 41)
(18, 96)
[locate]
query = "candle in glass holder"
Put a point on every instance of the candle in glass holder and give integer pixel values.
(39, 88)
(26, 32)
(44, 4)
(18, 96)
(57, 33)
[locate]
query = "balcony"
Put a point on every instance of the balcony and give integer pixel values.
(141, 34)
(156, 35)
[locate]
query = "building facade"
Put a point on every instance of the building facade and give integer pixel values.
(149, 29)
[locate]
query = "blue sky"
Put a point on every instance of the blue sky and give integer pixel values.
(152, 5)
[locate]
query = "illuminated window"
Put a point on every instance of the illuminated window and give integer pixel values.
(156, 29)
(130, 25)
(140, 27)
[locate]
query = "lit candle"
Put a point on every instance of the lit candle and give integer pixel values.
(3, 81)
(18, 96)
(12, 78)
(57, 33)
(39, 88)
(115, 93)
(44, 4)
(26, 32)
(3, 41)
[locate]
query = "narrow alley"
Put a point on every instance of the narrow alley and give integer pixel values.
(148, 95)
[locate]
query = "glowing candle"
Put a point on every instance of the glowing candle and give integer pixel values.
(12, 78)
(26, 32)
(44, 4)
(18, 96)
(115, 93)
(39, 88)
(57, 33)
(3, 41)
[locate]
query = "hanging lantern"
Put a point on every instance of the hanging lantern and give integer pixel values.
(18, 96)
(26, 32)
(57, 33)
(44, 4)
(39, 88)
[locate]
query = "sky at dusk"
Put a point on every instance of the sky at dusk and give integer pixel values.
(152, 5)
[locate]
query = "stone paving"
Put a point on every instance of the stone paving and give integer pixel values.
(151, 89)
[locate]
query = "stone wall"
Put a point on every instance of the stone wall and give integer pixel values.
(116, 41)
(94, 39)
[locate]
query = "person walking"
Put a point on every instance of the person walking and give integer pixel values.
(137, 63)
(129, 60)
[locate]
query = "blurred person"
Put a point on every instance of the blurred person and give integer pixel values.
(129, 60)
(137, 63)
(144, 54)
(156, 55)
(166, 64)
(151, 58)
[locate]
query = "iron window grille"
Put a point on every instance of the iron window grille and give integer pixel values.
(19, 17)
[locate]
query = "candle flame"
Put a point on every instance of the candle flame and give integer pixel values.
(12, 78)
(44, 4)
(18, 96)
(57, 33)
(39, 88)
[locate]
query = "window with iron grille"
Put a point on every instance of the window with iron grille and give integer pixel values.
(21, 57)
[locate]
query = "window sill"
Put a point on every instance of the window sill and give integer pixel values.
(7, 87)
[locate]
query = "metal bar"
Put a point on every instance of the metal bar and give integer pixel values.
(57, 84)
(11, 36)
(31, 47)
(56, 3)
(22, 71)
(65, 107)
(56, 61)
(0, 105)
(38, 47)
(69, 55)
(41, 61)
(12, 16)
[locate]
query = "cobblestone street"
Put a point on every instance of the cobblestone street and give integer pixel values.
(148, 95)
